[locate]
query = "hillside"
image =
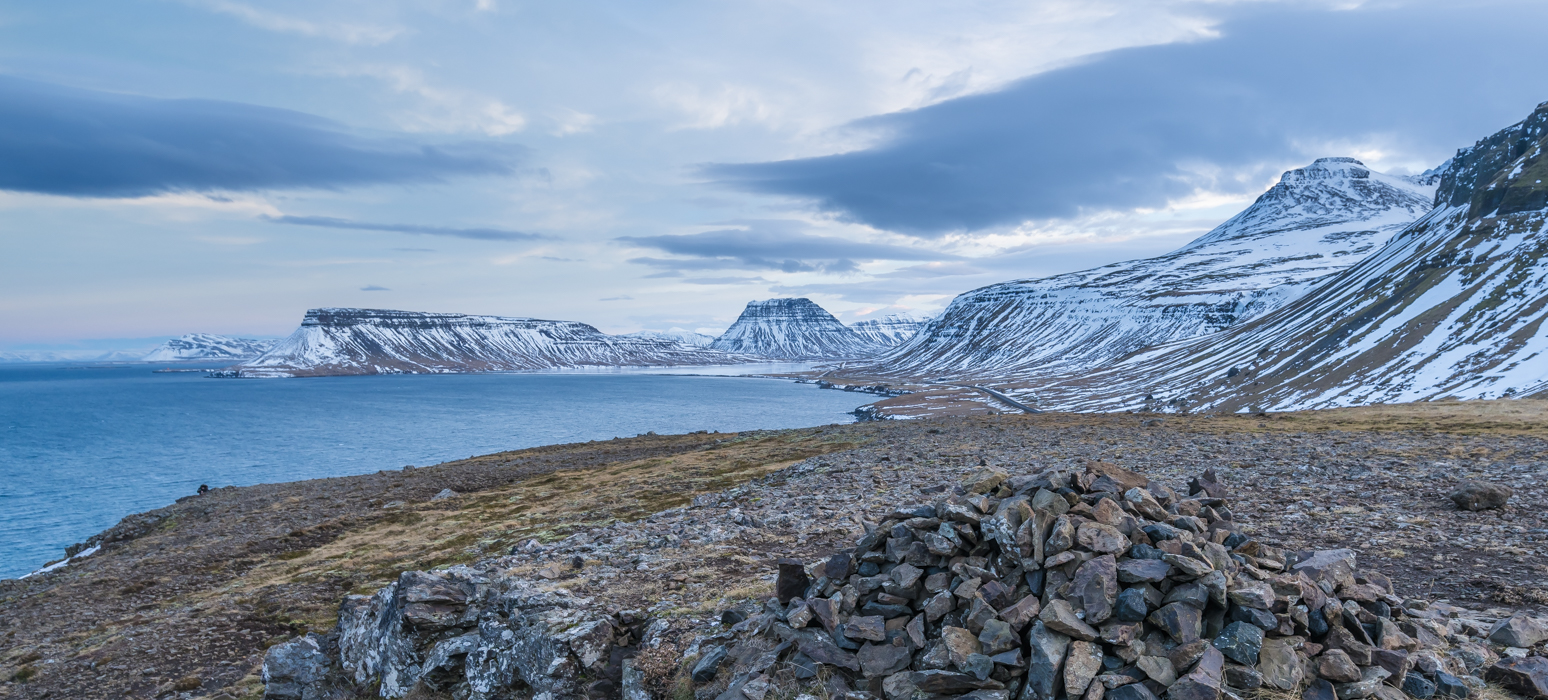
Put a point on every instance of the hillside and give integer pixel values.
(1452, 307)
(891, 329)
(375, 341)
(208, 346)
(1315, 222)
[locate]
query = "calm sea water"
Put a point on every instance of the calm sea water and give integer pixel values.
(83, 446)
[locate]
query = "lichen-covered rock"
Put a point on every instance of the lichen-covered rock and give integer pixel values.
(303, 669)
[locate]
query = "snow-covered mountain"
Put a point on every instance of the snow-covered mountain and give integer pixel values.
(1453, 306)
(374, 341)
(1315, 222)
(686, 337)
(72, 356)
(207, 346)
(792, 329)
(889, 330)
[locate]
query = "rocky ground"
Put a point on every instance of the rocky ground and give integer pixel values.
(682, 527)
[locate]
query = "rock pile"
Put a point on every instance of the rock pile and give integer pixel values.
(1097, 585)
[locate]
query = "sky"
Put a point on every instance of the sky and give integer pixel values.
(219, 166)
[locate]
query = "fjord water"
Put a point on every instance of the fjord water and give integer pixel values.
(83, 446)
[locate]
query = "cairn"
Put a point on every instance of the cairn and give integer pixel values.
(1101, 586)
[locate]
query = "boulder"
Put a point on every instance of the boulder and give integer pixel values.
(1527, 675)
(1480, 495)
(1519, 631)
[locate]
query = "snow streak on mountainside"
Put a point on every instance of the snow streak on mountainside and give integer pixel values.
(207, 346)
(373, 341)
(792, 329)
(1453, 306)
(889, 330)
(678, 335)
(1316, 221)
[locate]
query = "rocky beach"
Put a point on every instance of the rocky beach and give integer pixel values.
(642, 549)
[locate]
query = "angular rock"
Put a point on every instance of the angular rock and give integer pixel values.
(1096, 587)
(1243, 677)
(1240, 642)
(1450, 686)
(1418, 687)
(708, 665)
(1060, 617)
(978, 666)
(1158, 669)
(1370, 680)
(997, 637)
(984, 480)
(1335, 666)
(950, 682)
(959, 644)
(1143, 570)
(1280, 665)
(1045, 663)
(1395, 661)
(821, 649)
(798, 614)
(1023, 612)
(301, 669)
(1081, 665)
(1332, 565)
(1519, 631)
(1182, 622)
(871, 627)
(1131, 605)
(1132, 691)
(938, 606)
(1251, 594)
(792, 581)
(1061, 537)
(1102, 539)
(1527, 676)
(1191, 687)
(1194, 568)
(1319, 690)
(825, 611)
(1184, 656)
(878, 660)
(1480, 495)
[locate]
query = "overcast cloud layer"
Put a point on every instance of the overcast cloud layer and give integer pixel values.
(172, 167)
(1143, 126)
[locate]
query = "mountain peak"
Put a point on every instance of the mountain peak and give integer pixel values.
(793, 329)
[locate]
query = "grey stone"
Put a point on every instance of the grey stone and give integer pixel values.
(1193, 568)
(1480, 495)
(878, 660)
(1243, 677)
(820, 648)
(1319, 690)
(1045, 662)
(1060, 617)
(899, 686)
(960, 643)
(1240, 642)
(950, 682)
(978, 666)
(1082, 664)
(1192, 593)
(1370, 680)
(1131, 605)
(708, 665)
(1103, 539)
(938, 606)
(1280, 665)
(1096, 587)
(633, 680)
(1519, 631)
(1061, 537)
(1180, 621)
(998, 636)
(1143, 570)
(1336, 666)
(906, 575)
(798, 614)
(871, 627)
(1450, 686)
(1251, 594)
(1332, 565)
(1418, 686)
(1023, 612)
(1132, 691)
(826, 612)
(1261, 619)
(1527, 676)
(301, 669)
(1158, 669)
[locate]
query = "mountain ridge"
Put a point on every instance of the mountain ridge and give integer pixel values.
(792, 329)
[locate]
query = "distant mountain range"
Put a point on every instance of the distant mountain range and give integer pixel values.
(375, 341)
(207, 346)
(793, 329)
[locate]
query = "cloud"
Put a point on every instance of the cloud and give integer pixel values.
(620, 298)
(86, 143)
(479, 234)
(275, 22)
(770, 245)
(1140, 127)
(726, 280)
(415, 250)
(374, 288)
(933, 270)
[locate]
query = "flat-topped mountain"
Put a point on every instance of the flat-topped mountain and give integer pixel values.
(1315, 222)
(376, 341)
(792, 329)
(208, 346)
(1453, 306)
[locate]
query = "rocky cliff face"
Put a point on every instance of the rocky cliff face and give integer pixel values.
(1316, 221)
(207, 346)
(792, 329)
(374, 341)
(1452, 306)
(890, 330)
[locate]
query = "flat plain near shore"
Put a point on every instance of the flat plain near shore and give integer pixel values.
(188, 597)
